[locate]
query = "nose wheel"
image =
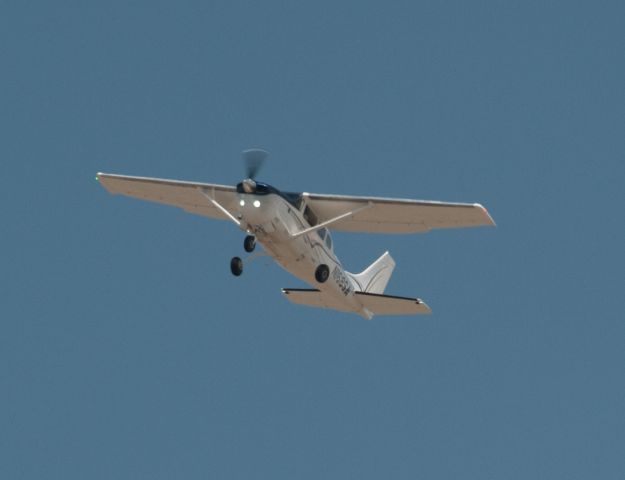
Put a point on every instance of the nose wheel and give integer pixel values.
(249, 244)
(236, 266)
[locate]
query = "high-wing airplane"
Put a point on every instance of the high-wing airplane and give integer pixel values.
(294, 228)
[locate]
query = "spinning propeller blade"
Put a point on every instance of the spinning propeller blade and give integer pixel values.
(254, 159)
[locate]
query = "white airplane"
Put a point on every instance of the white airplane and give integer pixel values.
(294, 229)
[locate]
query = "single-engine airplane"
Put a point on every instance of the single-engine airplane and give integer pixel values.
(294, 229)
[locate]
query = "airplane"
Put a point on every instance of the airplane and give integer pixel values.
(294, 228)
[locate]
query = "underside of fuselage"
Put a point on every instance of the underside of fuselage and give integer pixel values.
(277, 221)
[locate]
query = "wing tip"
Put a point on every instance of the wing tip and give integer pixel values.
(489, 219)
(426, 308)
(99, 176)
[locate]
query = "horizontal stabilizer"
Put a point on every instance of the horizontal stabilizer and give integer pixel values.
(314, 298)
(391, 305)
(375, 304)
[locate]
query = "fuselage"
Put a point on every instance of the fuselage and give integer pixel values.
(276, 219)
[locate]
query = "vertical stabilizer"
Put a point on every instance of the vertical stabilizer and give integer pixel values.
(375, 277)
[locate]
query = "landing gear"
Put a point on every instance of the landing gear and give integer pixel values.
(249, 243)
(236, 266)
(322, 273)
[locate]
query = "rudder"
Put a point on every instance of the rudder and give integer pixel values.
(375, 277)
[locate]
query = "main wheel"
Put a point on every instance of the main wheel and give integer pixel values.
(249, 243)
(322, 273)
(236, 266)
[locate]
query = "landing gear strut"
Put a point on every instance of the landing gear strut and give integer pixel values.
(322, 273)
(236, 266)
(249, 243)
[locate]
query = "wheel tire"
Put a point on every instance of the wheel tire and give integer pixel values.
(249, 244)
(236, 266)
(322, 273)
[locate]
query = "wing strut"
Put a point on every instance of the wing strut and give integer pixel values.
(219, 206)
(332, 220)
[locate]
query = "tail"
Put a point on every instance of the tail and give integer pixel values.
(375, 277)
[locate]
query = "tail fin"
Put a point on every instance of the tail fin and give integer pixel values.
(375, 277)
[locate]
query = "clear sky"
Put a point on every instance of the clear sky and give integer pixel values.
(128, 350)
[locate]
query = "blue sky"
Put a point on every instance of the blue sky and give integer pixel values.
(127, 350)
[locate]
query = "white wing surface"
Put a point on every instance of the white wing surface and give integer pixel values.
(389, 215)
(190, 196)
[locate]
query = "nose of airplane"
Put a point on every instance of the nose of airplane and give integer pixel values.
(251, 209)
(249, 202)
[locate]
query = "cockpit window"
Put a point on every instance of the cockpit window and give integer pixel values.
(328, 241)
(325, 235)
(310, 216)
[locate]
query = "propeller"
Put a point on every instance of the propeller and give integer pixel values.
(254, 159)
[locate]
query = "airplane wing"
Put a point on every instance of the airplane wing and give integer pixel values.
(185, 195)
(389, 215)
